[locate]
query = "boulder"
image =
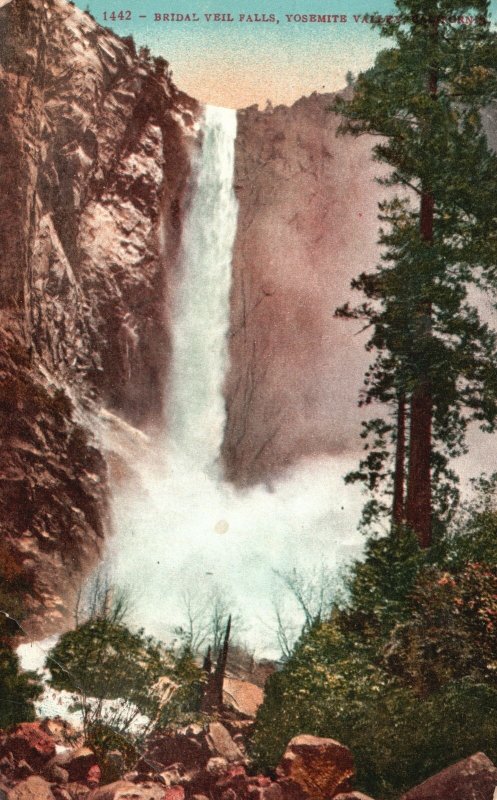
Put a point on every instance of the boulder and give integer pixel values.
(186, 746)
(234, 782)
(221, 744)
(217, 766)
(78, 791)
(123, 790)
(473, 777)
(76, 765)
(29, 742)
(174, 793)
(315, 768)
(191, 747)
(352, 796)
(271, 792)
(244, 697)
(33, 788)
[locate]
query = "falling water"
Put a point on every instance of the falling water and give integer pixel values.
(195, 401)
(180, 527)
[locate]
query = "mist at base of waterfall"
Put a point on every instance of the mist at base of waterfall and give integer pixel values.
(185, 532)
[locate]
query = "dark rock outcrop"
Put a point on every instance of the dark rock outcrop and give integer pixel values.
(94, 157)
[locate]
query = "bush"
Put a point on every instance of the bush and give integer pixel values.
(405, 671)
(115, 675)
(18, 690)
(111, 670)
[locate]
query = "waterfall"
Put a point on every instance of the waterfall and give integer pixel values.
(180, 528)
(195, 407)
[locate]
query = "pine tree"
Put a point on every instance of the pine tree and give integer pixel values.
(435, 355)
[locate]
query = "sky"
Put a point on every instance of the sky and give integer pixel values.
(238, 63)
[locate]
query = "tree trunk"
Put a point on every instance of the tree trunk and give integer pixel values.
(418, 506)
(398, 508)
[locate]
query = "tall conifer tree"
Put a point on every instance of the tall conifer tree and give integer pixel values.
(436, 357)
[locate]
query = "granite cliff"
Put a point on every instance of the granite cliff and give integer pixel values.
(94, 161)
(307, 225)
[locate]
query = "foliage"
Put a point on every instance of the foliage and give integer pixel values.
(104, 741)
(184, 705)
(118, 677)
(422, 101)
(18, 690)
(403, 671)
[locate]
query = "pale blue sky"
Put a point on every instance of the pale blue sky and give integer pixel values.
(237, 63)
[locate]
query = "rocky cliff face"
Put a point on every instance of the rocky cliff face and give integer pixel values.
(307, 225)
(94, 161)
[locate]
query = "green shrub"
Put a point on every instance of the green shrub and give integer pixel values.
(104, 663)
(18, 690)
(404, 672)
(115, 675)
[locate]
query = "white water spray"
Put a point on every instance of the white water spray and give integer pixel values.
(181, 528)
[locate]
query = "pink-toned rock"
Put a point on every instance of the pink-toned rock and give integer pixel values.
(33, 788)
(94, 776)
(174, 793)
(123, 790)
(352, 796)
(29, 742)
(234, 781)
(221, 744)
(473, 777)
(271, 792)
(315, 768)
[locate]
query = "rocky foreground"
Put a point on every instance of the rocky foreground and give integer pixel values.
(48, 760)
